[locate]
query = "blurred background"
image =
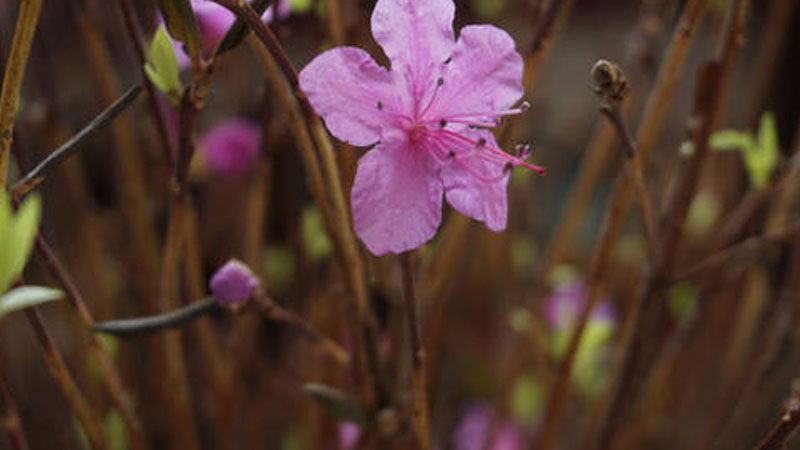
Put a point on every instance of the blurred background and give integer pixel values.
(498, 310)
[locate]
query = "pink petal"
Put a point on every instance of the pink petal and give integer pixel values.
(484, 75)
(416, 35)
(396, 198)
(477, 198)
(352, 93)
(213, 21)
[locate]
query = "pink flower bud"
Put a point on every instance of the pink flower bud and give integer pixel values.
(233, 283)
(230, 147)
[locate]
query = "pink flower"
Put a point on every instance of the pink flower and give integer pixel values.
(564, 304)
(214, 21)
(428, 116)
(233, 283)
(474, 427)
(229, 148)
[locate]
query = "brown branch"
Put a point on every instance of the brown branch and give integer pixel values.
(786, 426)
(27, 19)
(419, 377)
(276, 313)
(647, 308)
(135, 36)
(743, 252)
(111, 377)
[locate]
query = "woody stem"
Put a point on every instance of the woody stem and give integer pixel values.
(418, 380)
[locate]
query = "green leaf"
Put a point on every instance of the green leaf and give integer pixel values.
(682, 300)
(527, 400)
(162, 65)
(27, 296)
(760, 160)
(16, 239)
(239, 29)
(301, 6)
(181, 23)
(731, 140)
(314, 235)
(336, 402)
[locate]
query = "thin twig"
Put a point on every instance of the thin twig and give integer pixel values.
(59, 155)
(709, 94)
(12, 80)
(419, 383)
(135, 36)
(142, 326)
(88, 417)
(274, 312)
(9, 417)
(742, 252)
(111, 377)
(786, 426)
(612, 87)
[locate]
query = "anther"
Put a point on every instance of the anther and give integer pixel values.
(380, 105)
(442, 123)
(481, 143)
(451, 155)
(508, 167)
(525, 106)
(448, 60)
(439, 81)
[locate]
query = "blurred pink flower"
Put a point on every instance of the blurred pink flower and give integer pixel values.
(429, 116)
(348, 435)
(233, 283)
(214, 20)
(230, 147)
(472, 432)
(564, 304)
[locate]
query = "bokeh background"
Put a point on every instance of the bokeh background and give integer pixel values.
(497, 309)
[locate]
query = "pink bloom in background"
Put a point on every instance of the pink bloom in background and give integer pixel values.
(564, 304)
(233, 283)
(214, 21)
(348, 435)
(230, 147)
(472, 432)
(429, 116)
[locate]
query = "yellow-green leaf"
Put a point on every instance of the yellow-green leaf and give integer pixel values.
(162, 65)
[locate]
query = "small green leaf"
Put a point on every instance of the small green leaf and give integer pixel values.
(336, 402)
(181, 23)
(727, 140)
(162, 65)
(682, 300)
(16, 239)
(27, 296)
(527, 400)
(760, 160)
(301, 6)
(314, 235)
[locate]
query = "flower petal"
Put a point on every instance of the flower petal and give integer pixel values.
(484, 75)
(352, 93)
(483, 199)
(396, 198)
(416, 35)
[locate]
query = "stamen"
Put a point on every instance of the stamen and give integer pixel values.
(497, 152)
(442, 123)
(380, 105)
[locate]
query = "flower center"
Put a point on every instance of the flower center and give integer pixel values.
(447, 141)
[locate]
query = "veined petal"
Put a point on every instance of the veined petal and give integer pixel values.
(484, 75)
(476, 187)
(416, 35)
(352, 93)
(396, 198)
